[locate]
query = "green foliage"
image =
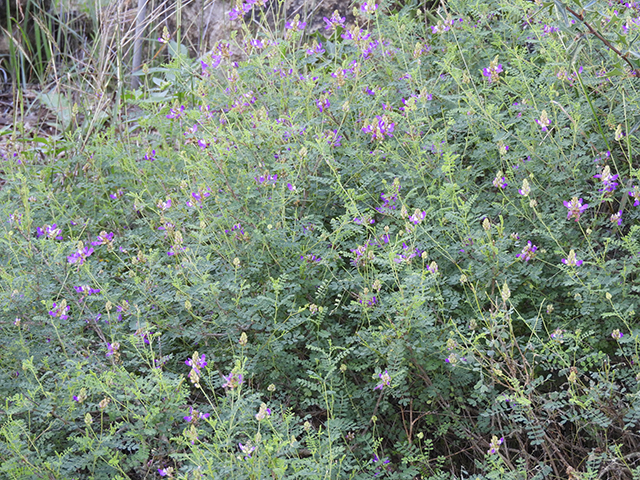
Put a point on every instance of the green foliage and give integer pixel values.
(373, 260)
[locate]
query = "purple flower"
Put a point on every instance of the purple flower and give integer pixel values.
(60, 311)
(543, 121)
(195, 415)
(112, 349)
(263, 413)
(322, 104)
(247, 449)
(369, 7)
(80, 255)
(103, 238)
(51, 231)
(500, 181)
(616, 218)
(86, 290)
(117, 194)
(608, 184)
(571, 260)
(492, 72)
(575, 208)
(296, 24)
(417, 217)
(385, 380)
(335, 21)
(150, 156)
(316, 49)
(495, 445)
(379, 128)
(196, 362)
(233, 380)
(291, 187)
(176, 112)
(528, 252)
(198, 197)
(164, 206)
(617, 334)
(635, 194)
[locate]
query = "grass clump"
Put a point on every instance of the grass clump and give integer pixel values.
(406, 248)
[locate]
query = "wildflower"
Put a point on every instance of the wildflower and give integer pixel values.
(196, 362)
(164, 206)
(571, 260)
(195, 415)
(175, 112)
(81, 397)
(433, 268)
(369, 7)
(291, 187)
(60, 311)
(575, 207)
(635, 194)
(500, 181)
(558, 334)
(166, 472)
(526, 189)
(543, 121)
(417, 217)
(608, 184)
(233, 380)
(86, 290)
(316, 49)
(247, 449)
(379, 128)
(495, 445)
(617, 334)
(296, 24)
(150, 156)
(263, 413)
(51, 231)
(616, 218)
(198, 197)
(323, 104)
(335, 21)
(116, 195)
(385, 380)
(528, 252)
(112, 349)
(103, 238)
(492, 72)
(80, 255)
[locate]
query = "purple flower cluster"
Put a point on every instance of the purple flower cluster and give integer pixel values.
(608, 181)
(86, 290)
(408, 254)
(528, 252)
(194, 415)
(198, 197)
(175, 112)
(103, 238)
(79, 256)
(635, 194)
(575, 208)
(492, 72)
(334, 21)
(51, 231)
(267, 179)
(196, 363)
(233, 380)
(385, 380)
(241, 9)
(379, 128)
(332, 138)
(60, 311)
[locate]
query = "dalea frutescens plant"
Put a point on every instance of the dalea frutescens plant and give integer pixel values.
(405, 248)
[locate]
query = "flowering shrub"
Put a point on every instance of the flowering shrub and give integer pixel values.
(382, 243)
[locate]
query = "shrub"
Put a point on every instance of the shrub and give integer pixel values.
(401, 250)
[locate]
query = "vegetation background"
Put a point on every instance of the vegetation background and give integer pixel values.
(396, 241)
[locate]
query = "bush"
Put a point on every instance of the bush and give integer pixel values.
(406, 249)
